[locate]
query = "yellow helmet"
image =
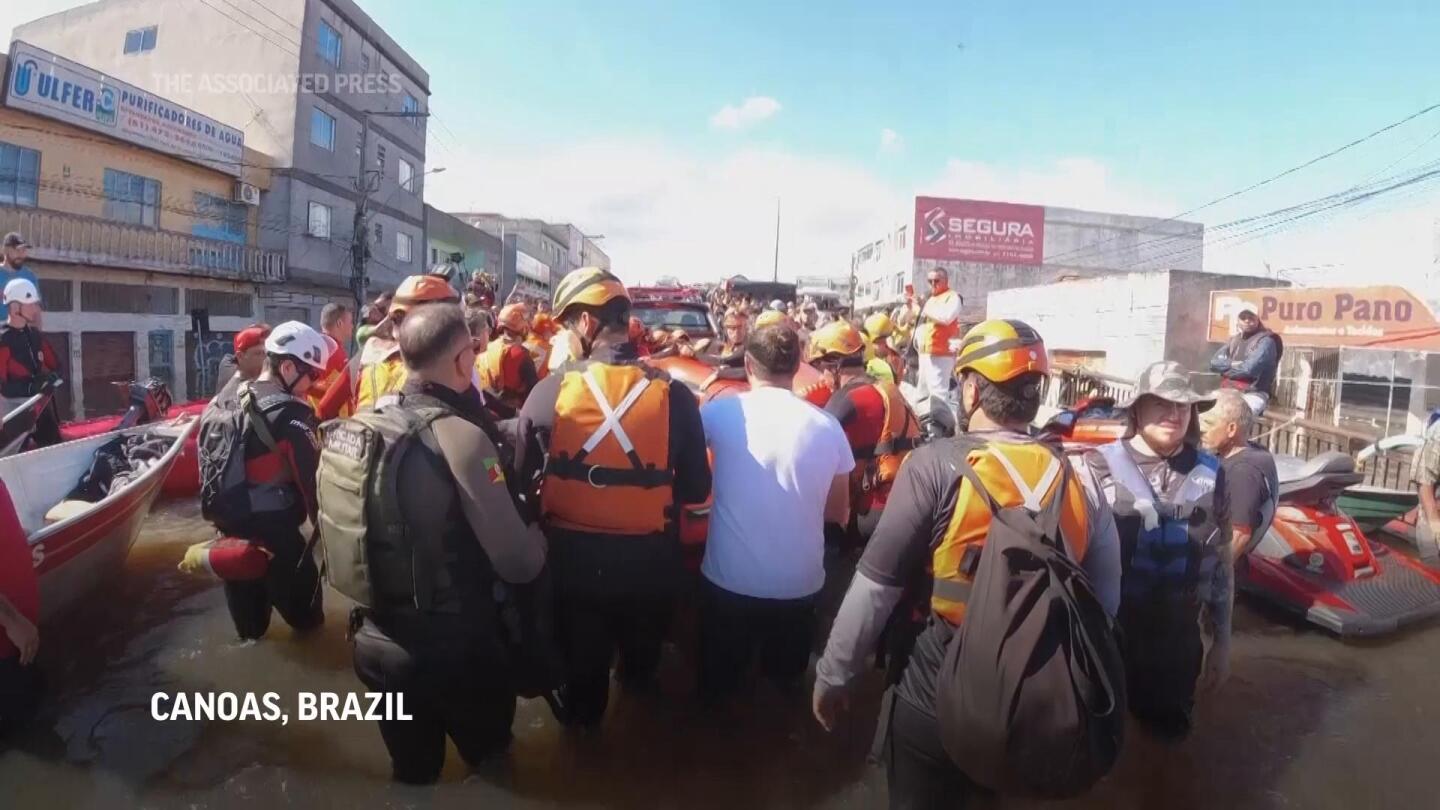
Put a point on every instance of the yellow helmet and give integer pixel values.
(769, 318)
(590, 286)
(836, 339)
(1002, 350)
(879, 326)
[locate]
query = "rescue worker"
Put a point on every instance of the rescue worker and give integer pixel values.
(1172, 508)
(625, 449)
(382, 370)
(507, 369)
(281, 457)
(939, 323)
(923, 554)
(878, 423)
(247, 362)
(330, 396)
(431, 632)
(542, 328)
(771, 317)
(27, 360)
(881, 361)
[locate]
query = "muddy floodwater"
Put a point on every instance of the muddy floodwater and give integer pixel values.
(1306, 721)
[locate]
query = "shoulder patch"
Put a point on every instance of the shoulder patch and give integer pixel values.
(494, 470)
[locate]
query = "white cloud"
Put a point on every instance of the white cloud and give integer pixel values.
(890, 142)
(1067, 183)
(749, 112)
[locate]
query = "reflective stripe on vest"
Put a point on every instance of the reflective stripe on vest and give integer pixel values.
(609, 466)
(1167, 550)
(1005, 469)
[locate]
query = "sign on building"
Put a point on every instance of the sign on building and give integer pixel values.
(527, 266)
(978, 231)
(54, 87)
(1389, 318)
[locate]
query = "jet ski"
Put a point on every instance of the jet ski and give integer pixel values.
(1314, 559)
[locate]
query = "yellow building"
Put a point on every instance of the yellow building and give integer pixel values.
(140, 214)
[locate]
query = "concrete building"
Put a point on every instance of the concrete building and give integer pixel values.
(1044, 244)
(452, 241)
(533, 243)
(1118, 324)
(132, 230)
(298, 77)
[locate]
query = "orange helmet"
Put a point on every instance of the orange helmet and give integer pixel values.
(1002, 350)
(544, 326)
(770, 318)
(637, 329)
(421, 290)
(591, 286)
(836, 340)
(513, 317)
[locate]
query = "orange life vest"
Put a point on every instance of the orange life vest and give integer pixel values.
(934, 338)
(898, 436)
(609, 467)
(540, 350)
(1014, 474)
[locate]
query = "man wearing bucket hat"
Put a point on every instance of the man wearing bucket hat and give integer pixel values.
(1173, 513)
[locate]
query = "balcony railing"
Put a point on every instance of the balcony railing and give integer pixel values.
(62, 237)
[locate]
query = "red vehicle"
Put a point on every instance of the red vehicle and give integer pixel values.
(1313, 560)
(672, 308)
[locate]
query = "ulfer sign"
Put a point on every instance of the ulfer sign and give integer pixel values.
(1390, 318)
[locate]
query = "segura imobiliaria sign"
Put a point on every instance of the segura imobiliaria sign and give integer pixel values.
(979, 231)
(45, 84)
(1383, 317)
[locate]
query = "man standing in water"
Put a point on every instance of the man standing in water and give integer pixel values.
(1172, 509)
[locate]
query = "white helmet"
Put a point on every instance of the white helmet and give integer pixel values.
(21, 291)
(296, 340)
(777, 305)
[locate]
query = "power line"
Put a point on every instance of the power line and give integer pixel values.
(268, 27)
(1232, 195)
(217, 10)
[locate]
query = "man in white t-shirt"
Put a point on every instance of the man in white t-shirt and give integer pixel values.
(782, 470)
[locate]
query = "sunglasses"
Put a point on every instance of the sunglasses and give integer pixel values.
(934, 281)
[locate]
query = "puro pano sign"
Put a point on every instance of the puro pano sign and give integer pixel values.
(1354, 317)
(979, 231)
(53, 86)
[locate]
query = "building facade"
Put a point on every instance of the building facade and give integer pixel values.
(533, 243)
(995, 246)
(135, 243)
(454, 242)
(308, 82)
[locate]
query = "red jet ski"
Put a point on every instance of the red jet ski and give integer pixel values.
(1313, 560)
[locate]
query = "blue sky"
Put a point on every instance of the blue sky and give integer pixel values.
(604, 113)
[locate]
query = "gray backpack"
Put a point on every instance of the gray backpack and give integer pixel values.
(1031, 694)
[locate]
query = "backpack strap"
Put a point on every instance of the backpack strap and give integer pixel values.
(1128, 475)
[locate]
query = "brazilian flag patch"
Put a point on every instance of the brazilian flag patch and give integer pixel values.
(493, 468)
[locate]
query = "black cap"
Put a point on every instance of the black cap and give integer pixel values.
(15, 240)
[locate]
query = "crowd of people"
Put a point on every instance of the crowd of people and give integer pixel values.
(498, 490)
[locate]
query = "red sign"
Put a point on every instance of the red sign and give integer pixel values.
(977, 231)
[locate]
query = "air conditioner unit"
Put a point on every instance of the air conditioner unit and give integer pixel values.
(246, 193)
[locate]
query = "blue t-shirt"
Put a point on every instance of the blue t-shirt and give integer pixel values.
(7, 275)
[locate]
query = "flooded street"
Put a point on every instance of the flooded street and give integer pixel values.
(1305, 722)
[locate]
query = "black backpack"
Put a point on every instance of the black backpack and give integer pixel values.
(1031, 695)
(225, 495)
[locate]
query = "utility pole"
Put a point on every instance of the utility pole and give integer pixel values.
(776, 276)
(360, 248)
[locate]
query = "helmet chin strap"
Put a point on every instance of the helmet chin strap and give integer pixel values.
(289, 387)
(962, 413)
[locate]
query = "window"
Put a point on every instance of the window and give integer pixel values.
(132, 198)
(364, 63)
(404, 245)
(322, 129)
(135, 299)
(900, 239)
(217, 303)
(408, 104)
(329, 44)
(379, 234)
(407, 175)
(140, 40)
(380, 156)
(319, 220)
(219, 218)
(19, 175)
